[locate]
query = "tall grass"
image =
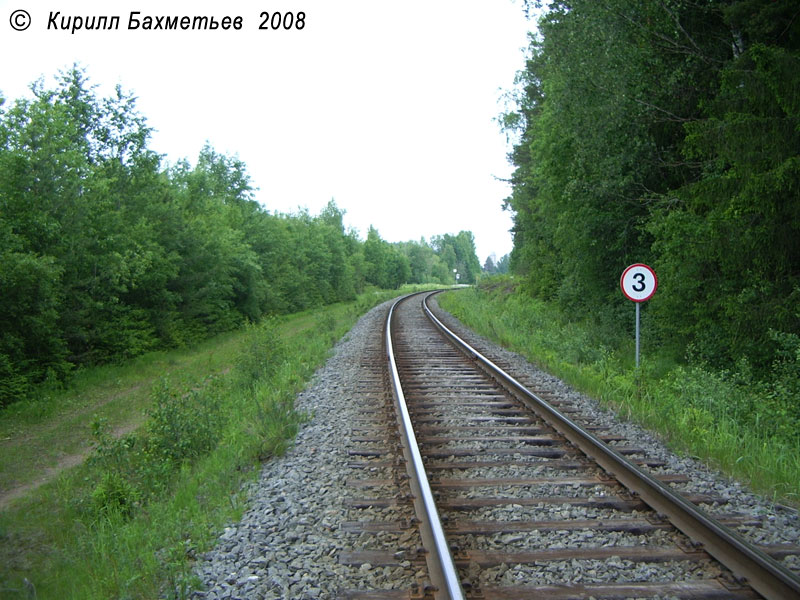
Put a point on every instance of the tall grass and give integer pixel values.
(130, 521)
(742, 426)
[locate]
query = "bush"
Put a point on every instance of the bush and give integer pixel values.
(183, 425)
(13, 385)
(263, 354)
(782, 390)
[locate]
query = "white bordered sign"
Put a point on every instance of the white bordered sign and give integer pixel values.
(638, 282)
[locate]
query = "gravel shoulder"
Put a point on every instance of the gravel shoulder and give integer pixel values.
(288, 542)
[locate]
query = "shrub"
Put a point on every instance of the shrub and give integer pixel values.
(263, 354)
(13, 385)
(183, 425)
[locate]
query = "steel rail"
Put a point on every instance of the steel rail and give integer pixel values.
(444, 575)
(761, 572)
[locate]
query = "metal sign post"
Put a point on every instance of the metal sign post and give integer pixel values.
(638, 284)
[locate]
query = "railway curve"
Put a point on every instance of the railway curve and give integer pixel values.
(523, 512)
(497, 464)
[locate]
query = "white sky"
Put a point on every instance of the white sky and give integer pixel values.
(386, 107)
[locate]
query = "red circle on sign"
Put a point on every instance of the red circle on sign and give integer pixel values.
(638, 282)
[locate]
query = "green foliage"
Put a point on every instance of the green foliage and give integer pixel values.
(13, 384)
(106, 254)
(183, 424)
(275, 421)
(263, 354)
(119, 464)
(665, 133)
(115, 494)
(30, 347)
(781, 390)
(492, 266)
(386, 266)
(458, 253)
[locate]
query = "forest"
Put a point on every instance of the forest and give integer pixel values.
(107, 251)
(667, 133)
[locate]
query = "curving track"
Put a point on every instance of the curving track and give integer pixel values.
(495, 494)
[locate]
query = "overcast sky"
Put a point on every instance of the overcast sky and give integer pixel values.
(389, 108)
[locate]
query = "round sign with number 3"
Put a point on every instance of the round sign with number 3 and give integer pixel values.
(638, 282)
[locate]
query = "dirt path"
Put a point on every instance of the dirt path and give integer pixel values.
(66, 462)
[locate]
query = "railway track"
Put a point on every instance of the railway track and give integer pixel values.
(467, 485)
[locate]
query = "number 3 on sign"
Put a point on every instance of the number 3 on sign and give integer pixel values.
(638, 282)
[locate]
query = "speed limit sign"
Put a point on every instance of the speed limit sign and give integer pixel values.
(638, 282)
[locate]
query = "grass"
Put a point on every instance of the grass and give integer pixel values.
(738, 425)
(129, 521)
(38, 434)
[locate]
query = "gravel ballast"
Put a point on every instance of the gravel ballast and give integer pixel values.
(288, 543)
(781, 523)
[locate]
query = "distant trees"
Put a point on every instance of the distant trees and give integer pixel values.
(105, 253)
(503, 264)
(665, 132)
(386, 266)
(458, 252)
(492, 266)
(440, 260)
(488, 265)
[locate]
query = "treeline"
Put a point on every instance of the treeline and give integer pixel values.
(665, 133)
(106, 253)
(440, 260)
(492, 266)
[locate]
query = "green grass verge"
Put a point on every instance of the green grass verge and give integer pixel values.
(734, 423)
(129, 522)
(36, 435)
